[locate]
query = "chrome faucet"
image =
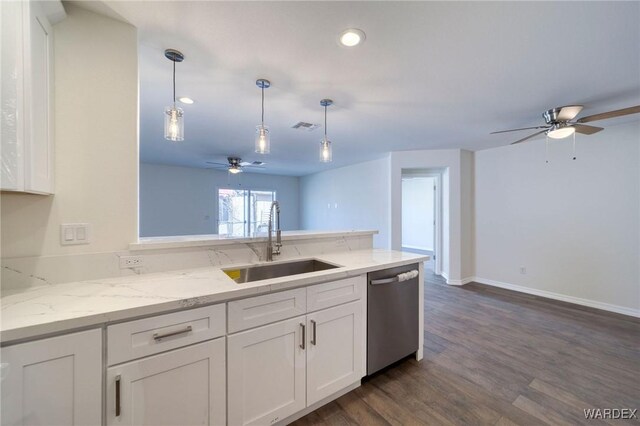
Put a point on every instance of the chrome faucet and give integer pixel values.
(271, 251)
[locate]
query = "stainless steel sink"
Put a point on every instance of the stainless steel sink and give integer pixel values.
(275, 270)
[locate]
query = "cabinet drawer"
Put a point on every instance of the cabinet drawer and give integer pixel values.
(325, 295)
(261, 310)
(136, 339)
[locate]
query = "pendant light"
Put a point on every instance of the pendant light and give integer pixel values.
(326, 155)
(263, 142)
(173, 115)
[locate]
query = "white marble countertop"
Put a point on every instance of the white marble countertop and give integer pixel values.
(155, 243)
(62, 307)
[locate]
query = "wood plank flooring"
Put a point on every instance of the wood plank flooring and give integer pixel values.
(497, 357)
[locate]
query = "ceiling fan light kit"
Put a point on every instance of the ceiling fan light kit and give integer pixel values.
(263, 140)
(561, 131)
(173, 115)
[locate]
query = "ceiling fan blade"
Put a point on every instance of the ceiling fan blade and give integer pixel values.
(587, 130)
(254, 166)
(516, 130)
(610, 114)
(569, 112)
(529, 137)
(253, 163)
(217, 164)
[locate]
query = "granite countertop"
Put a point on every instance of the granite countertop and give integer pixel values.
(62, 307)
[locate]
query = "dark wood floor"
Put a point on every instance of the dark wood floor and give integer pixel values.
(496, 357)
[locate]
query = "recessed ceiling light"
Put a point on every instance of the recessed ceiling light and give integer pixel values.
(351, 37)
(185, 100)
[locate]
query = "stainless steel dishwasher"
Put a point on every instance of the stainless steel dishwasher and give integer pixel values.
(392, 316)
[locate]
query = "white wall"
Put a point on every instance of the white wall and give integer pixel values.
(96, 155)
(457, 257)
(182, 200)
(418, 199)
(352, 197)
(574, 225)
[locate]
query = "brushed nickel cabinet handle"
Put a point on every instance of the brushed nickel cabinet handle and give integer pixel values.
(313, 333)
(118, 395)
(303, 345)
(157, 336)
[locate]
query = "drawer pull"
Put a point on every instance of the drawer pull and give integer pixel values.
(118, 395)
(313, 333)
(158, 337)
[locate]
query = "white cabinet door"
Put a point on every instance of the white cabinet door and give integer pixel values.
(38, 147)
(335, 345)
(54, 381)
(11, 79)
(180, 387)
(27, 95)
(267, 373)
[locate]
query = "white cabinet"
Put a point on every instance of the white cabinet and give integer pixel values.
(27, 88)
(277, 370)
(266, 373)
(334, 350)
(181, 387)
(53, 381)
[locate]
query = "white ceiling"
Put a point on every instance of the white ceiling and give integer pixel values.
(430, 74)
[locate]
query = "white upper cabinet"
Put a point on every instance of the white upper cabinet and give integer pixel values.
(54, 381)
(27, 95)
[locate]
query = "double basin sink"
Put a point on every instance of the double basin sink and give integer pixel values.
(276, 270)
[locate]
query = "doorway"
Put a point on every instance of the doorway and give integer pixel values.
(421, 217)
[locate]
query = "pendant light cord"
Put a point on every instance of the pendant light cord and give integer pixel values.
(174, 84)
(325, 122)
(262, 87)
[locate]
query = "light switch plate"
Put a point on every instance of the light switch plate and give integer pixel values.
(75, 233)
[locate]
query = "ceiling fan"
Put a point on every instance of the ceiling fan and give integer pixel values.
(235, 165)
(560, 125)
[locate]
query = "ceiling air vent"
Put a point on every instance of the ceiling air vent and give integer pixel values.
(305, 126)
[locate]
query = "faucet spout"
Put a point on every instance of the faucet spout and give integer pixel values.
(274, 249)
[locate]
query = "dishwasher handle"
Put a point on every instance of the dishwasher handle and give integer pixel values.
(405, 276)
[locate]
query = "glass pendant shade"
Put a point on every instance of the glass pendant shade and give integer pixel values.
(263, 142)
(326, 154)
(173, 124)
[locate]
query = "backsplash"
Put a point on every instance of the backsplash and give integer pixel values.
(25, 272)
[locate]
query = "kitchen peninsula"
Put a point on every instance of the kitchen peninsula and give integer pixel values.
(196, 328)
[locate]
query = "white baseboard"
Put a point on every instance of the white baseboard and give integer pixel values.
(459, 282)
(557, 296)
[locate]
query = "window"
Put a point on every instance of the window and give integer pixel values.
(243, 212)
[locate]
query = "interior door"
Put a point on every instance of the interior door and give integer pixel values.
(267, 373)
(334, 357)
(181, 387)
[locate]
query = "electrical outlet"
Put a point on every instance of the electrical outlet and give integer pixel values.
(131, 262)
(523, 270)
